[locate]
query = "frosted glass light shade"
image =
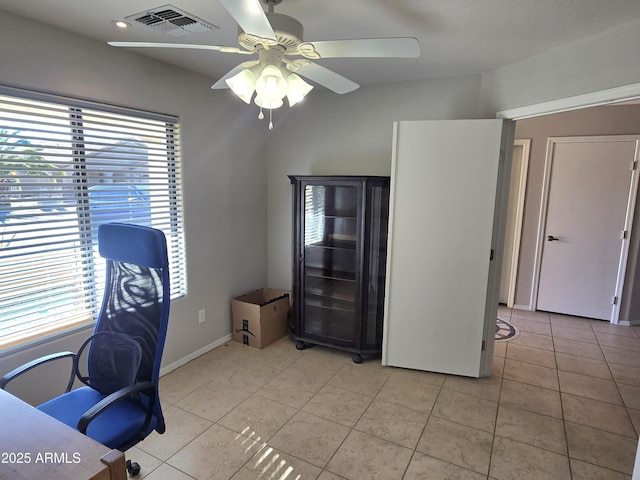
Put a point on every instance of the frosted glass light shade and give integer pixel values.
(243, 84)
(298, 88)
(271, 84)
(266, 103)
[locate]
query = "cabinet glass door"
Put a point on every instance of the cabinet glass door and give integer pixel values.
(330, 259)
(377, 248)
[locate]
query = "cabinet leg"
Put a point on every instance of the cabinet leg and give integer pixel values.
(300, 345)
(357, 358)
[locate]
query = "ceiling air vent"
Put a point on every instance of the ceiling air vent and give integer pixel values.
(172, 21)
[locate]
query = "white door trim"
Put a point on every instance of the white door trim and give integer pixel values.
(542, 219)
(525, 143)
(624, 256)
(593, 99)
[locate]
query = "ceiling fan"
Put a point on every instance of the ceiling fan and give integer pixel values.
(283, 56)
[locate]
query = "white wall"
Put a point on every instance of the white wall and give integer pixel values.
(224, 174)
(351, 135)
(606, 60)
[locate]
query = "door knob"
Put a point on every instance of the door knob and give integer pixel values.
(551, 238)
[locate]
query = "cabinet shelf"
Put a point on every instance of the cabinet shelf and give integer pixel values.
(329, 303)
(340, 236)
(339, 276)
(334, 244)
(324, 300)
(330, 325)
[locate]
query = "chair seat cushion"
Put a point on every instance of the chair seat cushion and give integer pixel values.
(115, 427)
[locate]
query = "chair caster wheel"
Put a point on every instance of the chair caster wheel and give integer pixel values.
(133, 468)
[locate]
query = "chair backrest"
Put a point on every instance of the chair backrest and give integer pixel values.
(136, 304)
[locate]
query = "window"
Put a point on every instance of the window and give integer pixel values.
(67, 166)
(314, 213)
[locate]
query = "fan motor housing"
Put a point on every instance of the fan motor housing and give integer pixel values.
(288, 30)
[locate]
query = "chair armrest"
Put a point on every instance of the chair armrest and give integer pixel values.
(35, 363)
(109, 401)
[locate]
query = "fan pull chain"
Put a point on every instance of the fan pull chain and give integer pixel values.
(261, 116)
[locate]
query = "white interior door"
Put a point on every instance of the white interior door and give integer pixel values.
(590, 185)
(442, 286)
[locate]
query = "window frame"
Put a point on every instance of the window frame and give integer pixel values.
(172, 218)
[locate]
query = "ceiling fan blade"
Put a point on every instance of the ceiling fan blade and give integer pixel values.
(327, 78)
(180, 45)
(251, 17)
(364, 47)
(220, 84)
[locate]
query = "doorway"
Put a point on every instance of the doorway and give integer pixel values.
(565, 111)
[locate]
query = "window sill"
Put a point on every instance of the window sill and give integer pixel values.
(30, 341)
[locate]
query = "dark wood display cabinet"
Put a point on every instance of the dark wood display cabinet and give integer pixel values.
(340, 251)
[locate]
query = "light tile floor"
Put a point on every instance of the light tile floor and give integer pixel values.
(563, 403)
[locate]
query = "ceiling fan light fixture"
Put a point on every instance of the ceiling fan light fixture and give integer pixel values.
(274, 37)
(271, 84)
(243, 84)
(297, 90)
(267, 103)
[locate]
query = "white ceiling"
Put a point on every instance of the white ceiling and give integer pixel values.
(457, 37)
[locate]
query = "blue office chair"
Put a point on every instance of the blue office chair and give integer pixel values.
(118, 405)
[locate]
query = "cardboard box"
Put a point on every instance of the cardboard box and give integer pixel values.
(260, 317)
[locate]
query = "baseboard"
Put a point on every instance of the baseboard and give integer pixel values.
(629, 323)
(183, 361)
(523, 307)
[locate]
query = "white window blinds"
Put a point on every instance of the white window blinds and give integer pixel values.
(66, 167)
(314, 214)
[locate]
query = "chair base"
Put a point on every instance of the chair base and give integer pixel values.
(133, 468)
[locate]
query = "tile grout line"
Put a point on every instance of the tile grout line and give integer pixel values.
(299, 409)
(626, 408)
(564, 421)
(495, 427)
(415, 448)
(324, 468)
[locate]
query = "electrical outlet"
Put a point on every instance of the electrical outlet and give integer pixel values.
(201, 316)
